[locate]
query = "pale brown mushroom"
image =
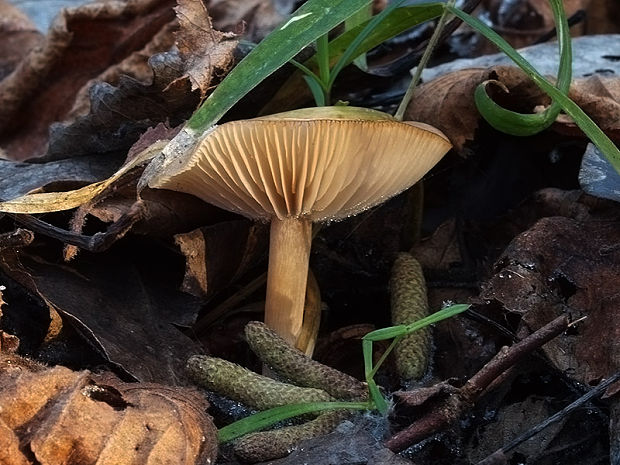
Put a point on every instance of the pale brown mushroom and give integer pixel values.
(294, 168)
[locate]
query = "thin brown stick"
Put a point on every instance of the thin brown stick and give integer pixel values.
(510, 356)
(595, 392)
(95, 243)
(453, 406)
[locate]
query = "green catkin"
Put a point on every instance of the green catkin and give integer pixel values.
(409, 303)
(268, 445)
(247, 387)
(295, 366)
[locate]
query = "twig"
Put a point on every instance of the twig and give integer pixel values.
(95, 243)
(453, 406)
(510, 356)
(432, 43)
(499, 454)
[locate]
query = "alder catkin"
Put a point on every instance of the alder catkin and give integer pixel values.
(269, 445)
(247, 387)
(297, 367)
(409, 303)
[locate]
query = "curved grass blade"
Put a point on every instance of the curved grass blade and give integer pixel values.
(585, 123)
(396, 333)
(519, 124)
(312, 20)
(262, 420)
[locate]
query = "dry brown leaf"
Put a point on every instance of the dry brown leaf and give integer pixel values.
(522, 22)
(447, 103)
(17, 35)
(136, 330)
(62, 416)
(8, 342)
(255, 18)
(441, 250)
(567, 264)
(599, 97)
(204, 49)
(135, 66)
(82, 43)
(56, 201)
(603, 17)
(217, 255)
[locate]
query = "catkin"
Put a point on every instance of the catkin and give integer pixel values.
(409, 303)
(295, 366)
(247, 387)
(268, 445)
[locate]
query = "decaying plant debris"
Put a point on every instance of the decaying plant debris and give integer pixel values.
(101, 307)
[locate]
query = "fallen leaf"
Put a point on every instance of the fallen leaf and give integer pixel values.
(62, 416)
(599, 97)
(255, 18)
(23, 178)
(17, 35)
(564, 438)
(563, 264)
(205, 51)
(440, 251)
(447, 103)
(56, 201)
(217, 255)
(523, 22)
(128, 314)
(120, 113)
(82, 43)
(603, 17)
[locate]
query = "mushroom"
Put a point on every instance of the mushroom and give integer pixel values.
(298, 167)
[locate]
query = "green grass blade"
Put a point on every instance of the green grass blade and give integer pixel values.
(351, 52)
(402, 330)
(262, 420)
(519, 124)
(386, 333)
(400, 20)
(317, 91)
(308, 23)
(589, 127)
(354, 21)
(397, 21)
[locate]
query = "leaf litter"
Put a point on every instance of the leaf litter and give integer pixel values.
(524, 257)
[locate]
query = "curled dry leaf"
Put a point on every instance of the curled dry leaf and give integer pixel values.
(599, 97)
(23, 178)
(17, 35)
(447, 102)
(82, 43)
(120, 113)
(256, 18)
(62, 416)
(567, 264)
(205, 51)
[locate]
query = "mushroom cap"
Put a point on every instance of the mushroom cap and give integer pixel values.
(321, 163)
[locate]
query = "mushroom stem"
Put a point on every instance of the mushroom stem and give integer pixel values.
(289, 253)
